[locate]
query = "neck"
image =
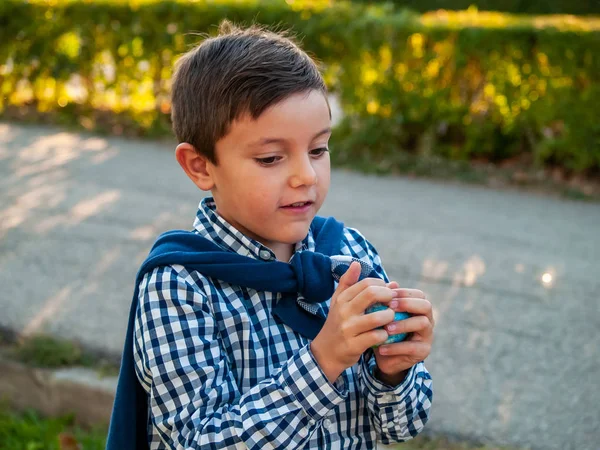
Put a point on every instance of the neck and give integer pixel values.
(283, 252)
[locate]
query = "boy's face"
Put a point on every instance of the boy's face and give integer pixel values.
(268, 164)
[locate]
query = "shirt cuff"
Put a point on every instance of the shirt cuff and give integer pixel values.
(385, 394)
(309, 385)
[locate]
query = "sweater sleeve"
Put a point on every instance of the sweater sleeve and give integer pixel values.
(194, 400)
(398, 413)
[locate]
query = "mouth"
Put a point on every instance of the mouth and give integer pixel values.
(298, 205)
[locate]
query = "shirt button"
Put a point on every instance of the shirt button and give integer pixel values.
(388, 398)
(327, 423)
(265, 255)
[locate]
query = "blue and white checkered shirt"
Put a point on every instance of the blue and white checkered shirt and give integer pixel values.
(221, 373)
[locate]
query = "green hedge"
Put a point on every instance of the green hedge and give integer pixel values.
(463, 85)
(511, 6)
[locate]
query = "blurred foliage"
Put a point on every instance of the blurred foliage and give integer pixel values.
(461, 85)
(46, 351)
(30, 431)
(483, 86)
(513, 6)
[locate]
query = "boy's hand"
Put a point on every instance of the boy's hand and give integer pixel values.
(348, 331)
(394, 360)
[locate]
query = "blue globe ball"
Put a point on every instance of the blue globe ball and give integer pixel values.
(397, 317)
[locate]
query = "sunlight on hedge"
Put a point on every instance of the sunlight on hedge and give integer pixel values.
(472, 84)
(486, 19)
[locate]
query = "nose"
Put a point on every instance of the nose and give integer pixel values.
(303, 173)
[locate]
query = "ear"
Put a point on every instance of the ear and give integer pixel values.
(196, 166)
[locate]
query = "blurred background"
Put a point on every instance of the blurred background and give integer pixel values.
(476, 123)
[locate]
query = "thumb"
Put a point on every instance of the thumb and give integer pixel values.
(350, 277)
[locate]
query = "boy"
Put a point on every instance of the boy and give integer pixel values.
(234, 347)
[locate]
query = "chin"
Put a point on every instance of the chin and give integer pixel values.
(295, 235)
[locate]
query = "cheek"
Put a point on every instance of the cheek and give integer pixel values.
(258, 199)
(262, 184)
(251, 185)
(324, 176)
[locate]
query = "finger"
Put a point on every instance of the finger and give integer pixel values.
(347, 280)
(351, 292)
(415, 324)
(405, 293)
(370, 338)
(366, 322)
(416, 349)
(392, 285)
(415, 306)
(369, 296)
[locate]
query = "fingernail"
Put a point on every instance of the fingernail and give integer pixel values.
(383, 350)
(393, 304)
(396, 294)
(391, 327)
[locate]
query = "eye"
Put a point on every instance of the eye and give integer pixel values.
(269, 161)
(319, 151)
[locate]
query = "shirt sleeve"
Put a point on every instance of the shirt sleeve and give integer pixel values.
(398, 413)
(194, 400)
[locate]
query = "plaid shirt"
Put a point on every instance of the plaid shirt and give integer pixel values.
(221, 373)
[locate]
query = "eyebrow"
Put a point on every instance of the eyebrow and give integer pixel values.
(266, 141)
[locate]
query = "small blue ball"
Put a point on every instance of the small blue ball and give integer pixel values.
(397, 317)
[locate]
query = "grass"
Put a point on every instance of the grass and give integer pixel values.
(29, 431)
(46, 351)
(49, 352)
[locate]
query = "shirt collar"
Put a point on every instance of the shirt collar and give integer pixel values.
(211, 225)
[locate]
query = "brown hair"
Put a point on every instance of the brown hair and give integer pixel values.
(242, 70)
